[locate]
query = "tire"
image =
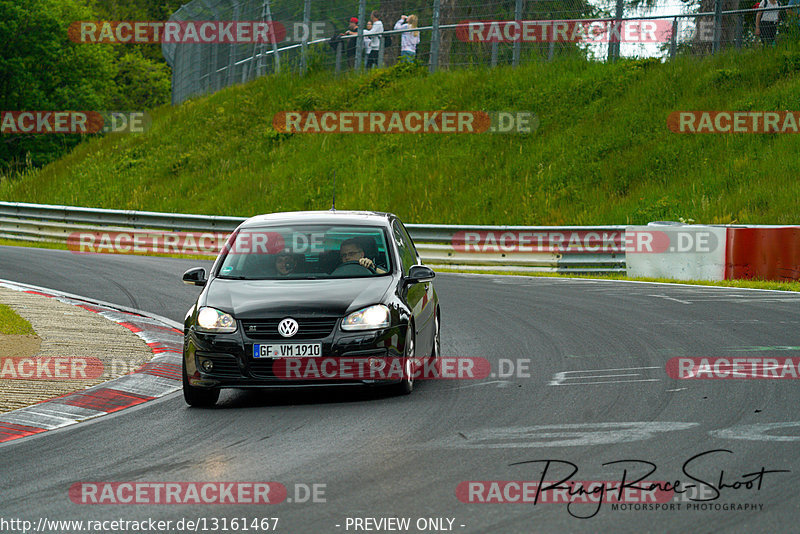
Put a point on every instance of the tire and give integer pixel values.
(406, 385)
(435, 359)
(436, 353)
(197, 397)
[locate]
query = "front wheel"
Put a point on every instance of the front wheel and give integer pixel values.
(197, 397)
(436, 353)
(406, 386)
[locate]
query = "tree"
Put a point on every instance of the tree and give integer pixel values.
(142, 10)
(40, 70)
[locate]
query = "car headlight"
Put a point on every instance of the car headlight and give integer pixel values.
(377, 316)
(213, 320)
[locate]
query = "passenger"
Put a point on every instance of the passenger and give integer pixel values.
(285, 263)
(409, 40)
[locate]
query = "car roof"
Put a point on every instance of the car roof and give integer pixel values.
(320, 217)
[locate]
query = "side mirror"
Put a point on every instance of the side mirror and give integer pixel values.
(195, 277)
(418, 274)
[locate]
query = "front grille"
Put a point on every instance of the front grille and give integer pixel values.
(310, 328)
(224, 364)
(262, 368)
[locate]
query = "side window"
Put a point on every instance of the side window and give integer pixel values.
(408, 255)
(410, 243)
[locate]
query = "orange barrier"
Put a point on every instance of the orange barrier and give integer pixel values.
(764, 253)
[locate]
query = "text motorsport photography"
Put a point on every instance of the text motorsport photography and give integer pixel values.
(632, 490)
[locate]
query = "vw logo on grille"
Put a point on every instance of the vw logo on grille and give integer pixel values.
(288, 327)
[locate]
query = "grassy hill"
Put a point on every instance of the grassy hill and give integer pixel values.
(602, 154)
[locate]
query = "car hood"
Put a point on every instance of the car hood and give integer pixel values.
(250, 299)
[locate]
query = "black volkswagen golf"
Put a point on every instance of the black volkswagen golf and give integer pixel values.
(311, 299)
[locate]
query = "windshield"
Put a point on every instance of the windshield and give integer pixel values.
(306, 252)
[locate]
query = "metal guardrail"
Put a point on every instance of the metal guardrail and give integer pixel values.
(438, 245)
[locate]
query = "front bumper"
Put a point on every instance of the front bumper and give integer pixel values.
(233, 364)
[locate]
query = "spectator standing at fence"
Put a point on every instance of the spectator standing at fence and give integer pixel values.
(410, 39)
(373, 37)
(767, 22)
(350, 47)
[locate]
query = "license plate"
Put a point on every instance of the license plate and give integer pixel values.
(287, 350)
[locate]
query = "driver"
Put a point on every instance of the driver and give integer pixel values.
(352, 251)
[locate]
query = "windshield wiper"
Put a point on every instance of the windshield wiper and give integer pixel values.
(226, 277)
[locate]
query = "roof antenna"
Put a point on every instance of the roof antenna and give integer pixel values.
(333, 206)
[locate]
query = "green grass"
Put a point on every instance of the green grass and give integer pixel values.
(602, 153)
(13, 324)
(34, 244)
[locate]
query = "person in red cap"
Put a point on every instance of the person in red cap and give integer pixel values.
(350, 44)
(767, 22)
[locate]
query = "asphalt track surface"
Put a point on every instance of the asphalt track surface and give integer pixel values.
(383, 456)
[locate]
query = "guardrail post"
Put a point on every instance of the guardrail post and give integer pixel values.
(739, 31)
(435, 37)
(213, 75)
(673, 40)
(274, 40)
(206, 68)
(613, 45)
(338, 69)
(260, 67)
(232, 52)
(304, 48)
(717, 26)
(362, 12)
(517, 43)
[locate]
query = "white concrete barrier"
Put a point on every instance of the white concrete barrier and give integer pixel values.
(679, 252)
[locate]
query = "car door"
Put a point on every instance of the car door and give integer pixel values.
(418, 296)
